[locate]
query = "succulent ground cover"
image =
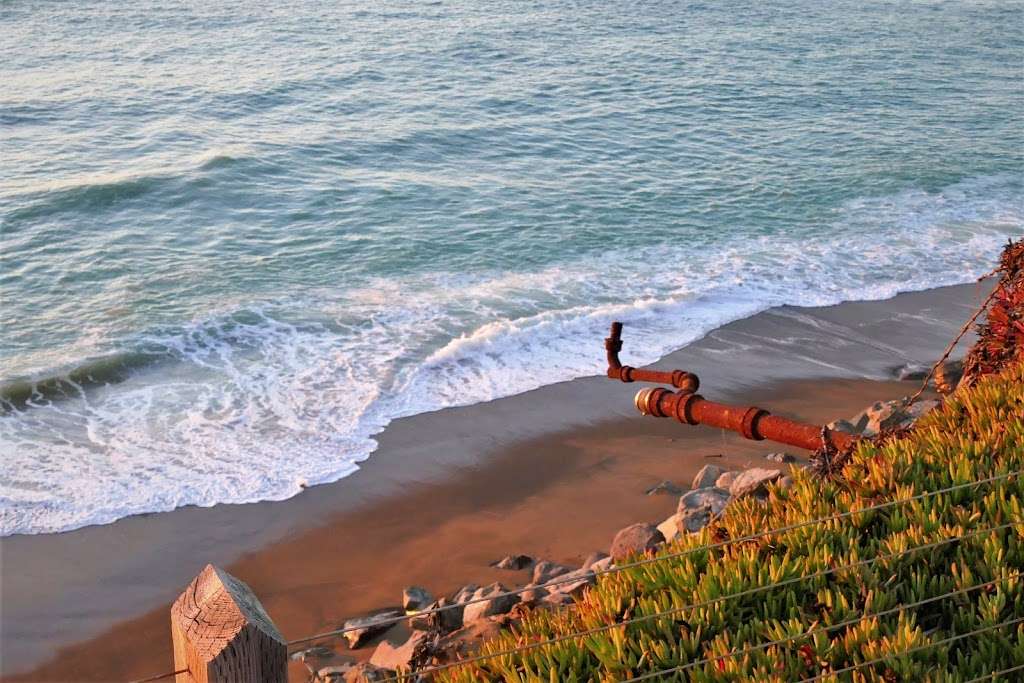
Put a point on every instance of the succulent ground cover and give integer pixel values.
(863, 565)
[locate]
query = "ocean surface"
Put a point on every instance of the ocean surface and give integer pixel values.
(238, 239)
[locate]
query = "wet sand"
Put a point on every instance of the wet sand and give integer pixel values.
(551, 473)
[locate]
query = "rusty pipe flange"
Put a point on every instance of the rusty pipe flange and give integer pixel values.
(684, 408)
(648, 401)
(749, 424)
(686, 381)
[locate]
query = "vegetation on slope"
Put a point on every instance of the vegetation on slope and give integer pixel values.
(977, 435)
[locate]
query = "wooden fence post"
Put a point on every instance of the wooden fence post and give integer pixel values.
(222, 634)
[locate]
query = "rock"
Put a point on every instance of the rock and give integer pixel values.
(786, 483)
(533, 594)
(365, 628)
(883, 415)
(664, 486)
(636, 538)
(574, 582)
(670, 528)
(399, 656)
(602, 565)
(514, 562)
(910, 371)
(714, 498)
(922, 408)
(593, 557)
(415, 598)
(312, 653)
(693, 519)
(559, 599)
(492, 602)
(780, 457)
(752, 480)
(725, 481)
(844, 426)
(334, 673)
(707, 476)
(544, 571)
(365, 672)
(465, 593)
(448, 618)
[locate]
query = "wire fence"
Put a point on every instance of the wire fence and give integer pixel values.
(574, 577)
(705, 603)
(662, 558)
(813, 632)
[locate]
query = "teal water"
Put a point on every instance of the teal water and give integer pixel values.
(238, 239)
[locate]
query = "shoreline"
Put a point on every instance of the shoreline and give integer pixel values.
(575, 452)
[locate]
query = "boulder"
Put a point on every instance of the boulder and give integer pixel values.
(948, 376)
(911, 371)
(533, 595)
(400, 656)
(707, 476)
(670, 528)
(884, 415)
(636, 538)
(558, 599)
(715, 498)
(693, 520)
(922, 408)
(544, 571)
(465, 593)
(514, 562)
(365, 672)
(665, 487)
(315, 653)
(844, 426)
(415, 598)
(725, 481)
(365, 628)
(492, 601)
(593, 557)
(574, 582)
(602, 565)
(780, 457)
(752, 480)
(447, 618)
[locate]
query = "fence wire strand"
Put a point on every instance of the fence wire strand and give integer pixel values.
(945, 641)
(661, 558)
(704, 603)
(992, 676)
(813, 632)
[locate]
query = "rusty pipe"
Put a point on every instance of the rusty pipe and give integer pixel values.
(685, 381)
(750, 421)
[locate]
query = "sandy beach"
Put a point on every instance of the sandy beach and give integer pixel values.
(552, 473)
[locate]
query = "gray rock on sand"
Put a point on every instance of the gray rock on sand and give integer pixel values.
(514, 562)
(670, 528)
(593, 557)
(492, 602)
(399, 656)
(915, 371)
(780, 457)
(415, 598)
(312, 654)
(365, 628)
(725, 481)
(545, 571)
(714, 498)
(533, 594)
(693, 519)
(447, 618)
(707, 476)
(465, 593)
(844, 426)
(574, 582)
(364, 672)
(602, 565)
(753, 480)
(664, 486)
(636, 538)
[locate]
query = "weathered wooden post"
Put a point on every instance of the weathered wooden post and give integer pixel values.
(222, 634)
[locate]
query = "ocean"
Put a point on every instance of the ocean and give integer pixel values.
(237, 240)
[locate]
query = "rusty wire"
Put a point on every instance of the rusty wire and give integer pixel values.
(160, 676)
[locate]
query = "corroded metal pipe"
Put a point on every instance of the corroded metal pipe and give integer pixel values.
(686, 381)
(750, 421)
(689, 407)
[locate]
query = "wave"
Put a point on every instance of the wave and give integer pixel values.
(258, 402)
